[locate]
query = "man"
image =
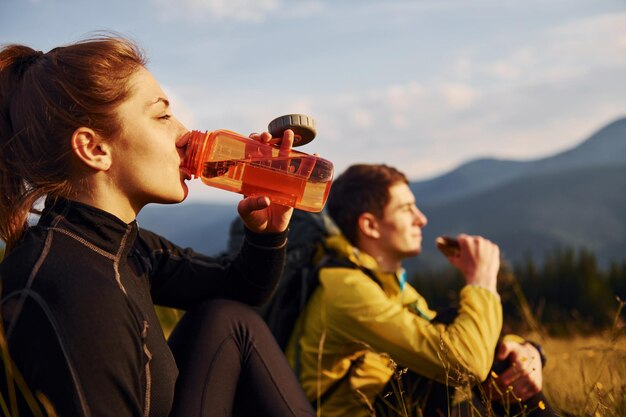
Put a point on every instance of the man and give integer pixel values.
(367, 341)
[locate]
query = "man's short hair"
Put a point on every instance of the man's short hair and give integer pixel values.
(362, 188)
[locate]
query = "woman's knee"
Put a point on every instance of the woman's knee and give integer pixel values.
(222, 311)
(217, 319)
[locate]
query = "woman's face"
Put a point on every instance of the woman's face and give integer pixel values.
(149, 150)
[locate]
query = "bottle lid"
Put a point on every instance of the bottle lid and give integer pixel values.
(302, 125)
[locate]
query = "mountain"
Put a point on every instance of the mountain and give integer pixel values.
(576, 198)
(605, 147)
(578, 207)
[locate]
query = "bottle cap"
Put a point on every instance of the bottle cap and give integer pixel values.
(302, 125)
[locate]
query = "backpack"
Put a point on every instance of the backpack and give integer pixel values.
(305, 256)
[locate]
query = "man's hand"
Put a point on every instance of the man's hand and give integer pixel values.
(479, 261)
(258, 213)
(524, 375)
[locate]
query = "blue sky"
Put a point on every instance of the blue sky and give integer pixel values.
(421, 85)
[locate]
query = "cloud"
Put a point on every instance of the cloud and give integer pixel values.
(458, 96)
(585, 44)
(361, 119)
(515, 66)
(402, 97)
(238, 10)
(561, 52)
(244, 11)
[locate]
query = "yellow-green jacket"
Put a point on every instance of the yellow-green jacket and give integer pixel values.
(353, 327)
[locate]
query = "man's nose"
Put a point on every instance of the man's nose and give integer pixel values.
(420, 218)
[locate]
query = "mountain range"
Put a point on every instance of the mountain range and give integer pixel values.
(575, 198)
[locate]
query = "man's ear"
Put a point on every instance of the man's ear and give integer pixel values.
(368, 225)
(89, 147)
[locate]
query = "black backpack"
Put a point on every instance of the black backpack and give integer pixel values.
(305, 256)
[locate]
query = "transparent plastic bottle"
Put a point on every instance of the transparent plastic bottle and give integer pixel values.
(233, 162)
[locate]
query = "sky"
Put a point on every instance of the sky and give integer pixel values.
(423, 85)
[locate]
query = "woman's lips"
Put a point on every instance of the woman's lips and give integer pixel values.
(183, 140)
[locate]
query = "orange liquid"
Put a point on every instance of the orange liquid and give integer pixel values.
(253, 178)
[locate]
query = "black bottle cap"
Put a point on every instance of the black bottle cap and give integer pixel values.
(302, 125)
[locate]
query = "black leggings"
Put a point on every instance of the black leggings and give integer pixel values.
(230, 365)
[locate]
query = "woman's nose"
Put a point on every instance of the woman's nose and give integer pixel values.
(182, 134)
(181, 127)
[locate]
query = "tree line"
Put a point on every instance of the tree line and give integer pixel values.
(568, 292)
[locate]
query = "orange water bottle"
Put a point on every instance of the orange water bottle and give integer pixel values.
(236, 163)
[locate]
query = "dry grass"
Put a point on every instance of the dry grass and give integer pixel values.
(586, 375)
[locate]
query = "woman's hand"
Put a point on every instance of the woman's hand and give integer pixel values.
(258, 213)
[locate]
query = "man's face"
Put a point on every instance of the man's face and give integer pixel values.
(401, 225)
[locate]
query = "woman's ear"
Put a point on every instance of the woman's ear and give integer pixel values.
(368, 225)
(91, 149)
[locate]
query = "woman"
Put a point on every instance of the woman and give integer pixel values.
(87, 127)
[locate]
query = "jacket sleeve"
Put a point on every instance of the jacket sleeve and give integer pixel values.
(181, 278)
(358, 310)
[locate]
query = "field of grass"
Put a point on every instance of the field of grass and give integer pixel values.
(583, 376)
(586, 375)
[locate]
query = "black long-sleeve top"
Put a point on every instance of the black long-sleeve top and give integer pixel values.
(77, 304)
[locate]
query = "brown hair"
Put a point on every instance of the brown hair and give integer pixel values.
(361, 189)
(44, 98)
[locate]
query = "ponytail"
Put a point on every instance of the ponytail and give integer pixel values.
(14, 200)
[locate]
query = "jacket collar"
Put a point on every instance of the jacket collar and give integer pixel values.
(392, 281)
(97, 227)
